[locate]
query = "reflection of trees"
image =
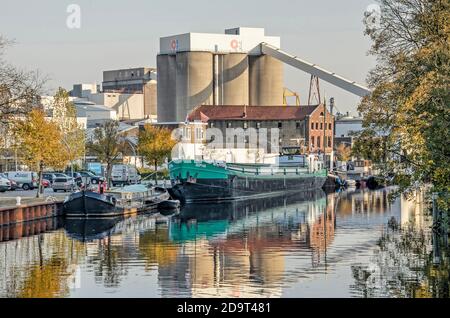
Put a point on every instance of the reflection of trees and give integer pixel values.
(46, 280)
(156, 247)
(403, 267)
(109, 265)
(47, 276)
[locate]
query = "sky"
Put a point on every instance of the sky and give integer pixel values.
(120, 34)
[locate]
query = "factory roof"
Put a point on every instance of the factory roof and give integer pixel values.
(206, 113)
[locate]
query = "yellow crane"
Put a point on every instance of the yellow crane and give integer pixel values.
(288, 93)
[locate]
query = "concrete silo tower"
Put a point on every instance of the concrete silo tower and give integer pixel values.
(216, 69)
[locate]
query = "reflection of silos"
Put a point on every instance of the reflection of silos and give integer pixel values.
(194, 81)
(233, 79)
(266, 81)
(166, 88)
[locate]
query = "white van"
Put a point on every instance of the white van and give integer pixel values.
(124, 174)
(25, 179)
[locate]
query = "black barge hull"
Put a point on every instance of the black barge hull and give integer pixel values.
(90, 204)
(237, 188)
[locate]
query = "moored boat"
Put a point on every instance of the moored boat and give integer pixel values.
(131, 199)
(194, 181)
(88, 203)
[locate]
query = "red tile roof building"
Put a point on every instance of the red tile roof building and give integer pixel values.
(301, 126)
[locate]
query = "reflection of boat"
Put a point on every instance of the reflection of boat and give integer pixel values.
(231, 210)
(211, 220)
(134, 198)
(90, 229)
(194, 181)
(169, 205)
(351, 183)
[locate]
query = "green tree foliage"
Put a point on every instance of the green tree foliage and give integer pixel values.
(155, 144)
(65, 115)
(407, 116)
(107, 144)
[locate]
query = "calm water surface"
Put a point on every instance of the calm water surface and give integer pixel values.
(349, 244)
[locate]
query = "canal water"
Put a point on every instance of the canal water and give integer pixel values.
(349, 244)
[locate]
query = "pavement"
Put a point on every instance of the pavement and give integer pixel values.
(8, 198)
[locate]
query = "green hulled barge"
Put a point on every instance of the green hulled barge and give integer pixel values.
(194, 181)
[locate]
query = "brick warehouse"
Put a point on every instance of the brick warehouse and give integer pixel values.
(300, 126)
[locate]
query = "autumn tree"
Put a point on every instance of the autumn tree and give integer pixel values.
(19, 89)
(73, 135)
(155, 144)
(407, 116)
(107, 144)
(40, 142)
(343, 152)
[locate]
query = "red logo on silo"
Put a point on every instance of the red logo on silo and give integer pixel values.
(174, 44)
(234, 44)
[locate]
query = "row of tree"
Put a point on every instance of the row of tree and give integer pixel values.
(46, 140)
(407, 117)
(108, 145)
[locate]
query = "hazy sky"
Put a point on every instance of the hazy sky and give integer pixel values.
(118, 34)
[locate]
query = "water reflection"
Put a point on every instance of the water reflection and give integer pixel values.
(309, 244)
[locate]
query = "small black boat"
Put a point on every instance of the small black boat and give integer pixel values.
(123, 201)
(88, 203)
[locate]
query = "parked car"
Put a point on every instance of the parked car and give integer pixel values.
(46, 183)
(63, 184)
(91, 178)
(5, 184)
(25, 179)
(50, 176)
(60, 175)
(124, 174)
(77, 177)
(14, 185)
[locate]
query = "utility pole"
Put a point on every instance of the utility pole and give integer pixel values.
(324, 132)
(332, 133)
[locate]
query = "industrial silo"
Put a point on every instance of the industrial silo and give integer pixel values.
(233, 79)
(194, 81)
(265, 81)
(166, 88)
